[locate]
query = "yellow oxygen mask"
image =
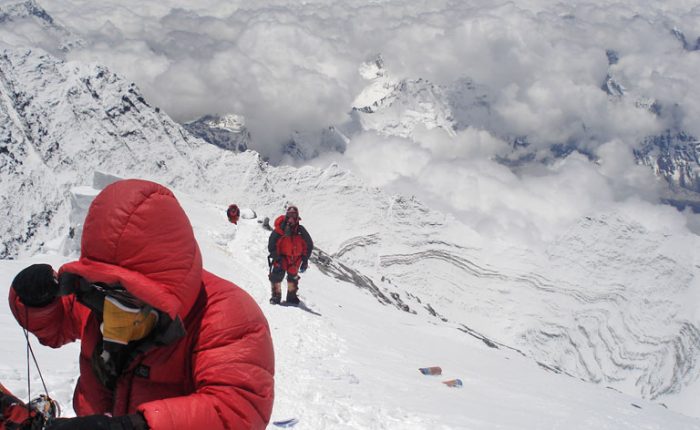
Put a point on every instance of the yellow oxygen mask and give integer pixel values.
(123, 324)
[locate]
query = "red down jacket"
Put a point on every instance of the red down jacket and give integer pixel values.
(292, 248)
(218, 375)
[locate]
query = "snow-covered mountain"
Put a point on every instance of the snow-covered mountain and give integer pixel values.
(308, 145)
(28, 24)
(675, 156)
(59, 121)
(227, 131)
(611, 301)
(394, 107)
(687, 45)
(672, 155)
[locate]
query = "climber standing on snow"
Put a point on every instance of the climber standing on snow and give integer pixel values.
(233, 213)
(290, 247)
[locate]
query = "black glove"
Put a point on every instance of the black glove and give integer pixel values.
(100, 422)
(304, 266)
(276, 259)
(70, 283)
(36, 285)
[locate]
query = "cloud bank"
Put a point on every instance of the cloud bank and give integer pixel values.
(288, 66)
(293, 66)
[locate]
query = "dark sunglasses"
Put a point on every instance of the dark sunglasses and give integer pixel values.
(92, 294)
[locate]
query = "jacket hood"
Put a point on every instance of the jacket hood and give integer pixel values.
(278, 225)
(137, 234)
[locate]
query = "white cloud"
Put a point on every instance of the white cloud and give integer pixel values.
(382, 161)
(532, 205)
(288, 65)
(626, 176)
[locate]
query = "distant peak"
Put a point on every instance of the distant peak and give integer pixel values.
(226, 131)
(231, 122)
(613, 56)
(373, 69)
(56, 38)
(24, 9)
(680, 36)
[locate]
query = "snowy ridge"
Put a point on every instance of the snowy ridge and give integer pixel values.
(396, 107)
(308, 145)
(227, 132)
(599, 336)
(331, 267)
(688, 46)
(380, 86)
(623, 290)
(60, 121)
(50, 36)
(674, 156)
(402, 107)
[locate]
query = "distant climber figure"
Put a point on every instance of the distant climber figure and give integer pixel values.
(290, 247)
(233, 213)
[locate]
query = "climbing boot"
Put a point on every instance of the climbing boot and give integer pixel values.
(276, 297)
(292, 289)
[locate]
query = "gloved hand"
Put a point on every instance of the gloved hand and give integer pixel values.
(100, 422)
(304, 266)
(70, 283)
(36, 285)
(14, 414)
(276, 260)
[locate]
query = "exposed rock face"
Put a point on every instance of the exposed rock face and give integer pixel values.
(227, 132)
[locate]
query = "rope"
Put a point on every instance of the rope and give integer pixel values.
(26, 337)
(36, 363)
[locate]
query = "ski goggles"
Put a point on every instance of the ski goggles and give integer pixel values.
(118, 293)
(125, 318)
(292, 219)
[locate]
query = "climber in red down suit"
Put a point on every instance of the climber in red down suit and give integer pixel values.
(164, 344)
(290, 247)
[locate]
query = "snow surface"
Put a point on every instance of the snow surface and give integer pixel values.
(349, 362)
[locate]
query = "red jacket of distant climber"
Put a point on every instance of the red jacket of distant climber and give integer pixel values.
(217, 375)
(289, 248)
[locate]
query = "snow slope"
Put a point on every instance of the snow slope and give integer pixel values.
(351, 363)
